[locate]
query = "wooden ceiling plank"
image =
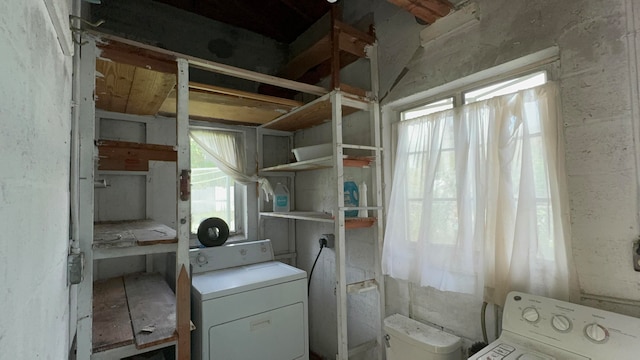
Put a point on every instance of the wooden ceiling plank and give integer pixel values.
(418, 11)
(439, 7)
(148, 91)
(114, 86)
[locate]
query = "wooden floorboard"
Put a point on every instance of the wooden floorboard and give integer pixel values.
(132, 233)
(153, 309)
(111, 322)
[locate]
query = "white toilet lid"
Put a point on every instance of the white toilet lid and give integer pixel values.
(424, 336)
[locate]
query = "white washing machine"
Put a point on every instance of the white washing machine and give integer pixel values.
(247, 306)
(539, 328)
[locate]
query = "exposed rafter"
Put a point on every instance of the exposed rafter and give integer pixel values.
(426, 10)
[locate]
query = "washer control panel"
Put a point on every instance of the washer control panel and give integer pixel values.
(230, 255)
(582, 330)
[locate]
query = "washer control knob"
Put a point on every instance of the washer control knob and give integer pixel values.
(596, 333)
(201, 259)
(561, 323)
(530, 314)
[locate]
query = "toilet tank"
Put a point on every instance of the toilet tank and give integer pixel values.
(412, 340)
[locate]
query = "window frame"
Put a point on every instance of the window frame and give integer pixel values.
(241, 206)
(393, 112)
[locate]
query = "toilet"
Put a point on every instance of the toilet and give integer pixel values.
(408, 339)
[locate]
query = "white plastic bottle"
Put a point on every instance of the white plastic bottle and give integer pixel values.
(363, 200)
(281, 199)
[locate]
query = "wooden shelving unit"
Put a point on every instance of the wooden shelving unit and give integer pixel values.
(135, 313)
(332, 107)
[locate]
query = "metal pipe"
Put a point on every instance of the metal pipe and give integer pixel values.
(74, 187)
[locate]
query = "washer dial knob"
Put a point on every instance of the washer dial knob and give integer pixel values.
(596, 333)
(201, 259)
(530, 314)
(561, 323)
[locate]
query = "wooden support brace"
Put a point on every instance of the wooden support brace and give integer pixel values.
(184, 314)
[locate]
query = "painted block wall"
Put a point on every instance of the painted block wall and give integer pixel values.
(35, 113)
(315, 191)
(598, 79)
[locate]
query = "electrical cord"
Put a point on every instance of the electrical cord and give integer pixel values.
(322, 246)
(483, 322)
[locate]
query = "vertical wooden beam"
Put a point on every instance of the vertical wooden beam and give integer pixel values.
(183, 310)
(376, 133)
(183, 314)
(341, 259)
(87, 153)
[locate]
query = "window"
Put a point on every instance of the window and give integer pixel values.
(477, 194)
(212, 191)
(217, 170)
(430, 108)
(506, 87)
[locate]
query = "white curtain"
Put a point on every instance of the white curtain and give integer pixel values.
(227, 151)
(478, 201)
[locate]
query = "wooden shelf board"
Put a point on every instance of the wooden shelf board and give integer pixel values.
(312, 64)
(129, 89)
(119, 234)
(301, 215)
(207, 102)
(320, 163)
(130, 156)
(357, 223)
(350, 223)
(314, 113)
(111, 321)
(138, 309)
(152, 305)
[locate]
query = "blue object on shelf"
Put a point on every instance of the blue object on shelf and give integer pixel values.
(351, 198)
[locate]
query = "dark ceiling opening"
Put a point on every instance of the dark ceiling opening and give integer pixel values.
(281, 20)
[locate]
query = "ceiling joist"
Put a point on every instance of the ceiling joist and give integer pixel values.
(426, 10)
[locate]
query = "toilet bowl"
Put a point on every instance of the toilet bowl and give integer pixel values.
(408, 339)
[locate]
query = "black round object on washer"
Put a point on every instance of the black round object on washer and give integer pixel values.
(213, 232)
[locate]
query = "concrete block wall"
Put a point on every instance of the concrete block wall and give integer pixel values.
(598, 77)
(35, 108)
(315, 191)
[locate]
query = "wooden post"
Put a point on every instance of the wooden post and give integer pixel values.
(85, 182)
(183, 306)
(340, 246)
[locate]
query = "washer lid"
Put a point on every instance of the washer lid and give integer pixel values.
(422, 335)
(214, 284)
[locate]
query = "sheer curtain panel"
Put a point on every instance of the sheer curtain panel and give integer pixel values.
(478, 201)
(227, 152)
